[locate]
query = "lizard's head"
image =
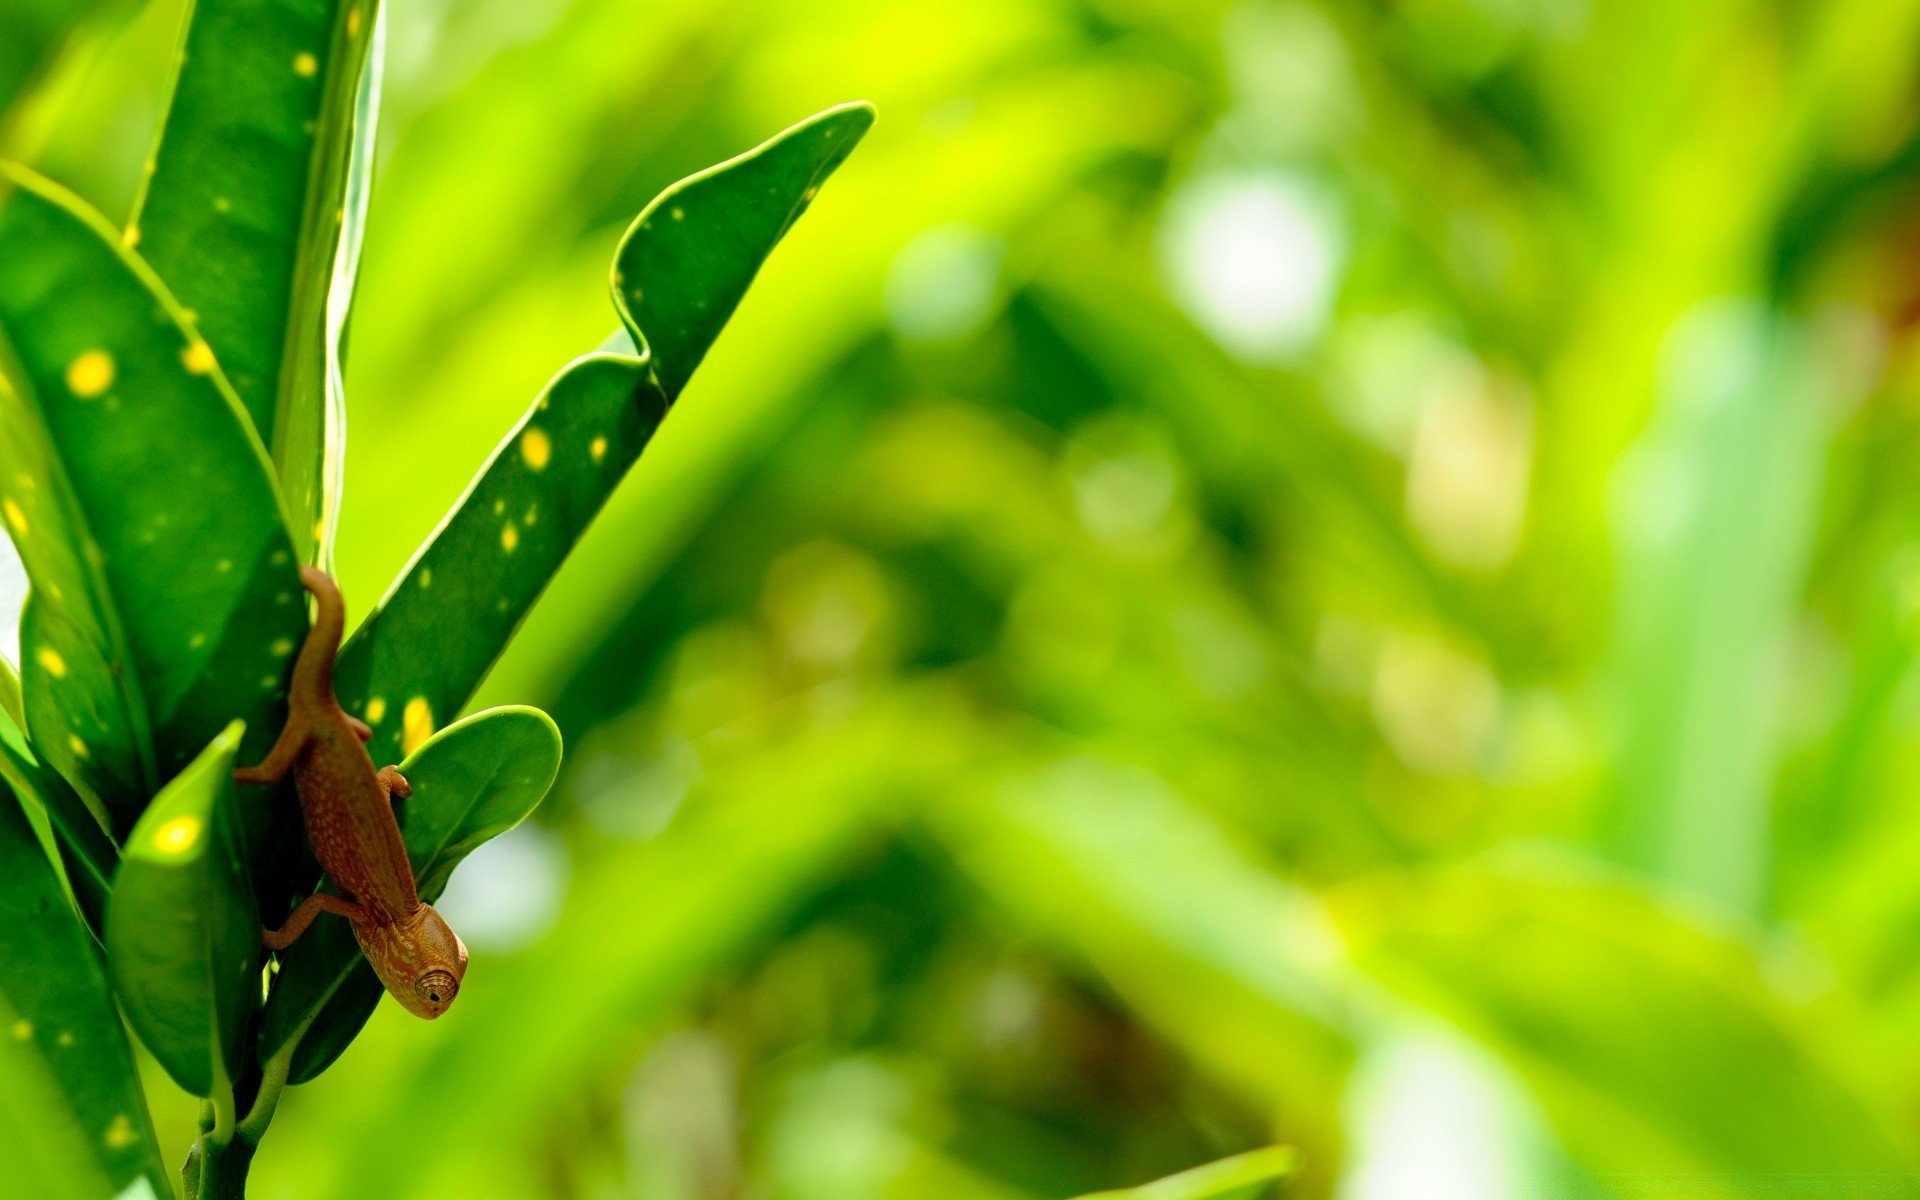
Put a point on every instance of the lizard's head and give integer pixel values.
(420, 961)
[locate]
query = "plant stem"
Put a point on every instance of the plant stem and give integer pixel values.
(218, 1170)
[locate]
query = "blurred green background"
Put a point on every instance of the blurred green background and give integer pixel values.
(1344, 574)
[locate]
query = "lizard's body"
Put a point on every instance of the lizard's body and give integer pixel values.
(348, 810)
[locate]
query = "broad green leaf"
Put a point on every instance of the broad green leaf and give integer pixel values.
(166, 600)
(1214, 1179)
(89, 854)
(183, 934)
(686, 262)
(70, 1087)
(471, 782)
(679, 273)
(253, 217)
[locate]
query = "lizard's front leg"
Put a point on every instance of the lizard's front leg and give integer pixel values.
(311, 907)
(394, 783)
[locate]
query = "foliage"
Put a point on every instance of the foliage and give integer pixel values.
(172, 408)
(1258, 572)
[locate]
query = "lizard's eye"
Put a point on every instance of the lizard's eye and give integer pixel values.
(437, 988)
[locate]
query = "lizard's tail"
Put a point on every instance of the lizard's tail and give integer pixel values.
(313, 672)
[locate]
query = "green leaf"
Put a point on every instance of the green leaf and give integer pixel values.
(679, 273)
(253, 216)
(36, 30)
(89, 854)
(686, 262)
(166, 600)
(1214, 1179)
(417, 659)
(474, 781)
(74, 1116)
(183, 934)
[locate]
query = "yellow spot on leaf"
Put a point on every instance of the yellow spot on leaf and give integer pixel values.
(305, 65)
(90, 374)
(426, 577)
(177, 836)
(509, 538)
(222, 205)
(416, 724)
(131, 235)
(51, 660)
(223, 566)
(120, 1134)
(320, 530)
(196, 641)
(279, 557)
(65, 1038)
(197, 358)
(283, 647)
(353, 22)
(376, 710)
(23, 1029)
(679, 214)
(598, 449)
(16, 516)
(536, 448)
(78, 747)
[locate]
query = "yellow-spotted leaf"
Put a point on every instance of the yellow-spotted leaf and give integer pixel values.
(165, 600)
(183, 934)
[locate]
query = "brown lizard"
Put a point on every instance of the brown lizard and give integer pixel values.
(348, 808)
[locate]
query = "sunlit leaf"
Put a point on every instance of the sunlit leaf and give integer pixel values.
(1215, 1179)
(183, 933)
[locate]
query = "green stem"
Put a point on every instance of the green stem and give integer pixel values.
(272, 1082)
(216, 1170)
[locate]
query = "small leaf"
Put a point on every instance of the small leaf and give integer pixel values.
(166, 600)
(253, 217)
(183, 935)
(679, 273)
(475, 780)
(686, 262)
(1214, 1179)
(73, 1113)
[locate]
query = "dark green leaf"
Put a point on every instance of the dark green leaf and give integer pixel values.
(165, 598)
(183, 935)
(253, 217)
(689, 258)
(89, 854)
(70, 1088)
(475, 780)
